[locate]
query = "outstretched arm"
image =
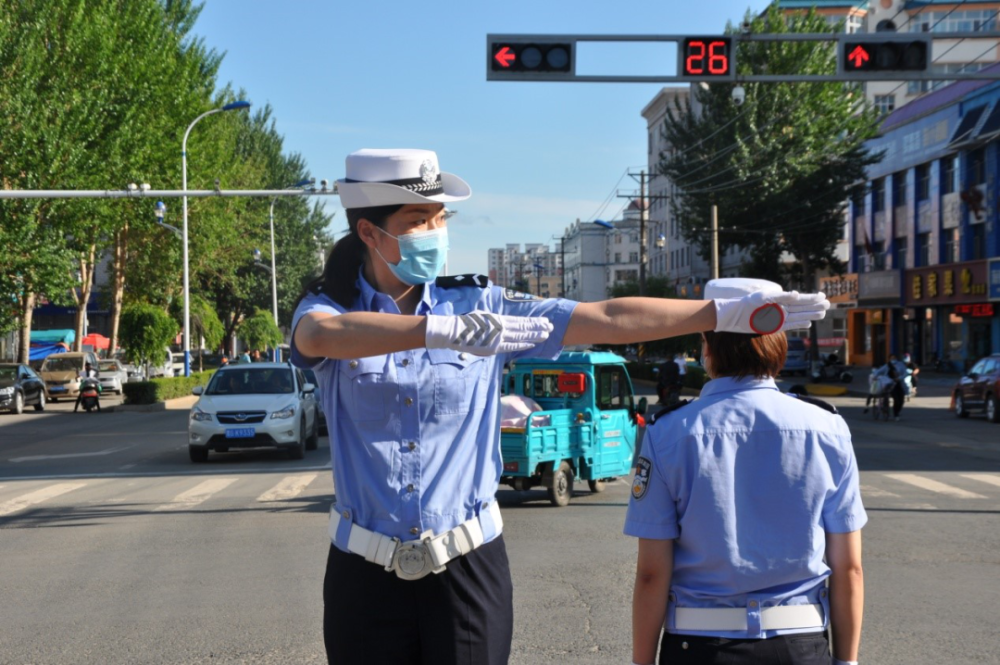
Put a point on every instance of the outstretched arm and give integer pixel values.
(628, 320)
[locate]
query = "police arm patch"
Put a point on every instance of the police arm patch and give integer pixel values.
(640, 484)
(517, 296)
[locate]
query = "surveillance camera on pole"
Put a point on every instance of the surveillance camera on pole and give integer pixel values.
(739, 95)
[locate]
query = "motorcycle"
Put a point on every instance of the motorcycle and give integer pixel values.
(90, 394)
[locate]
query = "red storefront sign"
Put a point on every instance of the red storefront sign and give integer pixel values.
(975, 311)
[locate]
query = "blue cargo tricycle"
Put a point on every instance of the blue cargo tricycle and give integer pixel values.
(574, 417)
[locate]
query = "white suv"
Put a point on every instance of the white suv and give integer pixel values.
(261, 405)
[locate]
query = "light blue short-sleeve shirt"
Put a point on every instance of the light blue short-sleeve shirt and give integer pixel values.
(747, 481)
(414, 435)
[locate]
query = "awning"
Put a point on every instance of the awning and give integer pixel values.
(42, 350)
(963, 134)
(96, 340)
(66, 336)
(990, 128)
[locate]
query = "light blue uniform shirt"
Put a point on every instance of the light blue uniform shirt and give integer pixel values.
(414, 435)
(747, 481)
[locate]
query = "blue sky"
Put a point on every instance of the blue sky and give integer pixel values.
(343, 76)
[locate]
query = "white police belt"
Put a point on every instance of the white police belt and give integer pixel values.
(414, 559)
(782, 617)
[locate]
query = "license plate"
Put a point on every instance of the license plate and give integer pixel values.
(57, 389)
(240, 433)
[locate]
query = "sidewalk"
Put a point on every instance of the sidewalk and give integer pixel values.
(929, 384)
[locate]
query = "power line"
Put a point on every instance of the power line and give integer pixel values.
(609, 198)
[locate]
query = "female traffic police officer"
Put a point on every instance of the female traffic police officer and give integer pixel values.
(410, 365)
(737, 499)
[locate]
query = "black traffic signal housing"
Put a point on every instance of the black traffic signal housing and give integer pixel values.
(877, 56)
(535, 58)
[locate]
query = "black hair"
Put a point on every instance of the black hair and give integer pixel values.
(340, 274)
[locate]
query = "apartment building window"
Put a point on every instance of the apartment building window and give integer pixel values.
(924, 249)
(878, 195)
(918, 87)
(618, 257)
(878, 252)
(860, 256)
(970, 20)
(885, 103)
(949, 174)
(977, 166)
(978, 241)
(951, 246)
(899, 260)
(618, 238)
(923, 173)
(633, 238)
(859, 204)
(633, 257)
(899, 188)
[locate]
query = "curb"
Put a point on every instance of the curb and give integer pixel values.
(137, 408)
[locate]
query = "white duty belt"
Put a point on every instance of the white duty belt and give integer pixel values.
(417, 558)
(781, 617)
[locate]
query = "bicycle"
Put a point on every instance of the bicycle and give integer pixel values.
(881, 407)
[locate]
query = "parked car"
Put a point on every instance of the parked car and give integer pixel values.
(979, 390)
(61, 373)
(797, 359)
(112, 375)
(311, 378)
(263, 405)
(20, 386)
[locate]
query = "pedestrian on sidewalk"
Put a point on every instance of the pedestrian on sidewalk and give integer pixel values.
(409, 365)
(745, 502)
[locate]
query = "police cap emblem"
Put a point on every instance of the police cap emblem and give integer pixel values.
(429, 171)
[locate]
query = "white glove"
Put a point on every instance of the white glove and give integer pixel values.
(486, 334)
(764, 313)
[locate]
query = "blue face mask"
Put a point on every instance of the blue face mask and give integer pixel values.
(422, 255)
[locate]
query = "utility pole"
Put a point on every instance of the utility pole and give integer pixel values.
(643, 211)
(715, 242)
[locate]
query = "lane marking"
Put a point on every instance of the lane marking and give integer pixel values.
(197, 494)
(288, 488)
(933, 485)
(988, 478)
(31, 498)
(161, 474)
(35, 458)
(876, 493)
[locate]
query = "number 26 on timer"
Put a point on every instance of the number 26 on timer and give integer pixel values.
(706, 57)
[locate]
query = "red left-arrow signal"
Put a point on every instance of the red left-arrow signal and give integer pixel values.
(859, 56)
(505, 57)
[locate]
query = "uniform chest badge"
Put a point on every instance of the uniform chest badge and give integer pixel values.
(641, 482)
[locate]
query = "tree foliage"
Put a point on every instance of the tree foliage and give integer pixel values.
(259, 331)
(781, 167)
(146, 330)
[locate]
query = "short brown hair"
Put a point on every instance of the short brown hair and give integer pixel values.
(739, 355)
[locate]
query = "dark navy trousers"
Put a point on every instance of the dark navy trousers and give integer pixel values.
(802, 649)
(463, 616)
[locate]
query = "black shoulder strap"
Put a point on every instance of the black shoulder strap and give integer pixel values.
(454, 281)
(826, 406)
(668, 409)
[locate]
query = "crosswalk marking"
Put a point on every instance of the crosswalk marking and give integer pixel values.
(31, 498)
(988, 478)
(933, 485)
(196, 494)
(289, 487)
(876, 493)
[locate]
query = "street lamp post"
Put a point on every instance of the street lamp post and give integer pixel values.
(233, 106)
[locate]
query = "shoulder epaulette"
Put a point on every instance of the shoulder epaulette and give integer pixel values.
(668, 409)
(453, 281)
(826, 406)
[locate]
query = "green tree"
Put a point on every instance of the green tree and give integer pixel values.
(259, 331)
(205, 324)
(781, 167)
(146, 331)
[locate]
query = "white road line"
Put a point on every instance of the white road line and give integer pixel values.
(868, 492)
(288, 488)
(196, 494)
(988, 478)
(157, 474)
(31, 498)
(35, 458)
(933, 485)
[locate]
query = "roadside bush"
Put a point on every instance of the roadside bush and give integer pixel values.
(160, 390)
(695, 377)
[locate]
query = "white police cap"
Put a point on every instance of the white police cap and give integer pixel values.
(738, 287)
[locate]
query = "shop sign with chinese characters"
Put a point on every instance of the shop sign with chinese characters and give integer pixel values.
(946, 284)
(975, 310)
(840, 289)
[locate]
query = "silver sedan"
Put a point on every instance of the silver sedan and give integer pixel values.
(112, 375)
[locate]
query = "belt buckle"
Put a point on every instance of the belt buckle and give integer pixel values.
(411, 560)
